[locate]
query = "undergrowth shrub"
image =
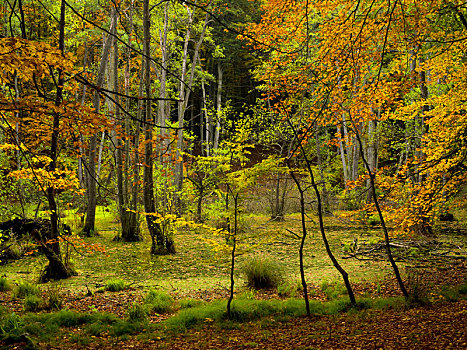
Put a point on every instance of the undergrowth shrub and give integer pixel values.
(115, 285)
(11, 325)
(25, 288)
(416, 288)
(54, 299)
(33, 303)
(137, 312)
(4, 284)
(159, 302)
(262, 272)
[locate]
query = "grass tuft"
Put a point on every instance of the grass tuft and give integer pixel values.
(115, 285)
(262, 272)
(463, 288)
(290, 289)
(4, 284)
(33, 303)
(189, 303)
(332, 290)
(25, 288)
(137, 312)
(159, 301)
(54, 299)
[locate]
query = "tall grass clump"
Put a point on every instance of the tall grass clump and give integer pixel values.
(33, 303)
(115, 285)
(54, 299)
(11, 327)
(262, 272)
(25, 288)
(137, 312)
(4, 284)
(159, 302)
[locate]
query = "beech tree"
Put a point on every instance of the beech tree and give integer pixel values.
(47, 120)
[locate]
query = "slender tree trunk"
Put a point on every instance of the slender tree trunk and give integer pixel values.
(184, 96)
(233, 240)
(372, 151)
(89, 226)
(129, 231)
(161, 243)
(336, 264)
(302, 241)
(371, 175)
(56, 269)
(321, 172)
(217, 127)
(164, 105)
(343, 159)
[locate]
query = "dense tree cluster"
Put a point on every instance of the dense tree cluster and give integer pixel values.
(156, 105)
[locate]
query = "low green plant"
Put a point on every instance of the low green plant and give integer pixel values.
(332, 290)
(33, 303)
(374, 220)
(262, 272)
(417, 289)
(463, 288)
(115, 285)
(25, 288)
(4, 284)
(54, 299)
(159, 301)
(137, 312)
(391, 303)
(289, 289)
(189, 303)
(11, 325)
(450, 294)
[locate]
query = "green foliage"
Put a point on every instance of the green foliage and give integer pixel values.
(262, 272)
(332, 290)
(4, 284)
(11, 325)
(290, 289)
(54, 299)
(374, 220)
(137, 312)
(33, 303)
(463, 288)
(159, 301)
(189, 303)
(25, 288)
(394, 303)
(115, 285)
(450, 294)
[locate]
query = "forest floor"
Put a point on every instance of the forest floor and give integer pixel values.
(440, 325)
(199, 271)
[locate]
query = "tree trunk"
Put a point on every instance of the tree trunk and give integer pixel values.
(129, 228)
(372, 151)
(184, 97)
(89, 226)
(302, 240)
(219, 106)
(57, 268)
(161, 242)
(333, 259)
